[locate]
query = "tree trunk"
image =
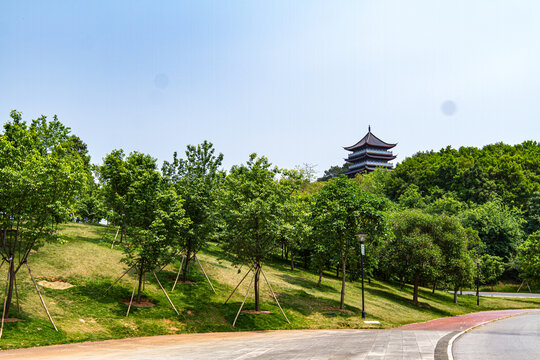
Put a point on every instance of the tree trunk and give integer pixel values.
(141, 273)
(11, 285)
(286, 252)
(320, 278)
(292, 260)
(461, 290)
(415, 291)
(455, 295)
(256, 286)
(433, 290)
(342, 303)
(186, 263)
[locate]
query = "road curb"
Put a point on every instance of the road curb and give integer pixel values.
(450, 355)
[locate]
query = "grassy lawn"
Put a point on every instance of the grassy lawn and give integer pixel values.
(84, 312)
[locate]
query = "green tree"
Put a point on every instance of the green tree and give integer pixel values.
(431, 248)
(375, 182)
(295, 228)
(499, 227)
(41, 177)
(529, 257)
(411, 253)
(115, 179)
(253, 201)
(90, 206)
(340, 211)
(411, 198)
(532, 214)
(197, 180)
(491, 268)
(334, 171)
(511, 173)
(152, 213)
(447, 204)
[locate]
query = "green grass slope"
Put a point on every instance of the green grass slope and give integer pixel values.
(84, 312)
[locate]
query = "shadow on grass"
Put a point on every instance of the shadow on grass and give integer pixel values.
(407, 302)
(423, 293)
(306, 283)
(91, 300)
(98, 234)
(308, 304)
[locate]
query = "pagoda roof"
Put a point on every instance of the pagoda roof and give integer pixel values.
(370, 139)
(369, 157)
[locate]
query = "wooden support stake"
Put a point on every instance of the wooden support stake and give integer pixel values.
(40, 297)
(5, 300)
(251, 268)
(163, 267)
(245, 297)
(178, 275)
(106, 231)
(115, 236)
(204, 272)
(274, 295)
(177, 313)
(131, 300)
(117, 280)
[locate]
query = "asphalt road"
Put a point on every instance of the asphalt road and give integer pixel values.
(503, 294)
(294, 344)
(421, 341)
(516, 337)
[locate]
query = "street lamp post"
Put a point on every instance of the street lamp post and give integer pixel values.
(477, 282)
(362, 237)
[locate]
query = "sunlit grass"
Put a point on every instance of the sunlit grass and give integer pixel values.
(84, 312)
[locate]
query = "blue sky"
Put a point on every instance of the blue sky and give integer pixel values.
(293, 80)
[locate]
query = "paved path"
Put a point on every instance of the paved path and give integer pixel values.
(464, 322)
(417, 341)
(513, 338)
(503, 294)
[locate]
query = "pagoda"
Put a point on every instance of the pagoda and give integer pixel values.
(368, 154)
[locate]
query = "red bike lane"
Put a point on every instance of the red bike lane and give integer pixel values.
(464, 322)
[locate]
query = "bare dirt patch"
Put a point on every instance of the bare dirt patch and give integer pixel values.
(10, 319)
(55, 284)
(171, 325)
(143, 304)
(187, 282)
(256, 312)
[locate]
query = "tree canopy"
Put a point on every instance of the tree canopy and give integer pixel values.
(341, 210)
(41, 175)
(253, 200)
(197, 179)
(150, 210)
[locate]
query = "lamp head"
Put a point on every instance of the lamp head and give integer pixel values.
(361, 236)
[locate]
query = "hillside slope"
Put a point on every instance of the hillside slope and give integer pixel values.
(84, 312)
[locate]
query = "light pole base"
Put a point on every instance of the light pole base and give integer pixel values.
(363, 314)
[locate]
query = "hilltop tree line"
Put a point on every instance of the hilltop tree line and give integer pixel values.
(427, 222)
